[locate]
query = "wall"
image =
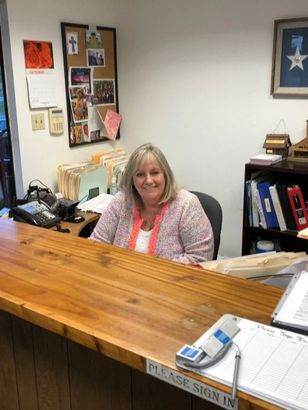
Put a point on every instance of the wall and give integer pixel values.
(195, 80)
(39, 152)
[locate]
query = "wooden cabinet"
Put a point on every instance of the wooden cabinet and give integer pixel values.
(286, 172)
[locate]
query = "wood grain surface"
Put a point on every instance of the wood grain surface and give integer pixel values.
(125, 305)
(83, 228)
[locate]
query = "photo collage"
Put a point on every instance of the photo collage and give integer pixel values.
(88, 92)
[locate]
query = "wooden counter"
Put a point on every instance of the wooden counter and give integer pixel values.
(124, 306)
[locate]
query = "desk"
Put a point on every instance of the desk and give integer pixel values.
(79, 319)
(83, 228)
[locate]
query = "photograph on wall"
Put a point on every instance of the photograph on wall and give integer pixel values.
(72, 43)
(94, 123)
(96, 57)
(81, 76)
(103, 92)
(95, 135)
(76, 135)
(38, 54)
(79, 110)
(93, 39)
(79, 106)
(76, 90)
(85, 132)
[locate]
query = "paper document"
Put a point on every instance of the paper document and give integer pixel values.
(96, 204)
(292, 311)
(42, 88)
(273, 365)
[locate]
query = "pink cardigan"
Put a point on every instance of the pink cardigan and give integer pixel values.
(182, 232)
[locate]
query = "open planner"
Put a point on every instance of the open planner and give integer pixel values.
(273, 364)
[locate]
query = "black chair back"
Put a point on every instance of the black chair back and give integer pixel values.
(213, 211)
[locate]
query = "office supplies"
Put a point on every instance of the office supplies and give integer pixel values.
(248, 200)
(75, 181)
(286, 205)
(92, 178)
(265, 246)
(235, 373)
(268, 210)
(35, 213)
(97, 204)
(254, 266)
(41, 193)
(303, 233)
(277, 207)
(56, 121)
(282, 174)
(298, 207)
(265, 159)
(66, 208)
(212, 349)
(292, 310)
(272, 362)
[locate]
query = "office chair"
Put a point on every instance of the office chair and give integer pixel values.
(213, 211)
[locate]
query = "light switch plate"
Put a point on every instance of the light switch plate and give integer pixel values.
(38, 121)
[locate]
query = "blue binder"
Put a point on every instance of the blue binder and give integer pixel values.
(267, 205)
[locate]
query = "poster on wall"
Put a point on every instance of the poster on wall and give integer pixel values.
(41, 80)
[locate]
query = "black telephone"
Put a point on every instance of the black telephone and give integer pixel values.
(35, 213)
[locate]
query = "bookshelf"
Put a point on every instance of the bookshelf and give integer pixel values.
(286, 172)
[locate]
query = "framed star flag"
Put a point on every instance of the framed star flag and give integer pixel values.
(290, 58)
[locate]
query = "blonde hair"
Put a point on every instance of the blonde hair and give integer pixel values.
(136, 158)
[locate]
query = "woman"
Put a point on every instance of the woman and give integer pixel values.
(153, 216)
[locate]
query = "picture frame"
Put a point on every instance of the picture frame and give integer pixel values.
(290, 58)
(90, 64)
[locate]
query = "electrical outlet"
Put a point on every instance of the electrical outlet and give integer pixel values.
(38, 121)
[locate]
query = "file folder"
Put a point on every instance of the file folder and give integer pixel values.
(267, 205)
(89, 179)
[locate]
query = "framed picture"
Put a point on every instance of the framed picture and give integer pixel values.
(91, 81)
(290, 58)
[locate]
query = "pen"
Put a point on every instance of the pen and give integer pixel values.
(235, 374)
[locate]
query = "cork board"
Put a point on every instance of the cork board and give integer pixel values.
(90, 65)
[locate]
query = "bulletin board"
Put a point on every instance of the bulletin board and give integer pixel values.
(90, 64)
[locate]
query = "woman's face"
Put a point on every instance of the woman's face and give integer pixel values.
(149, 181)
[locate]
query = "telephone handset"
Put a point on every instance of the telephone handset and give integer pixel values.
(35, 213)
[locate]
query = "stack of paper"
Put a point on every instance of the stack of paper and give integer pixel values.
(265, 159)
(254, 266)
(303, 233)
(96, 204)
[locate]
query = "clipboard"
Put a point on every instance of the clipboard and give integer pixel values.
(289, 315)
